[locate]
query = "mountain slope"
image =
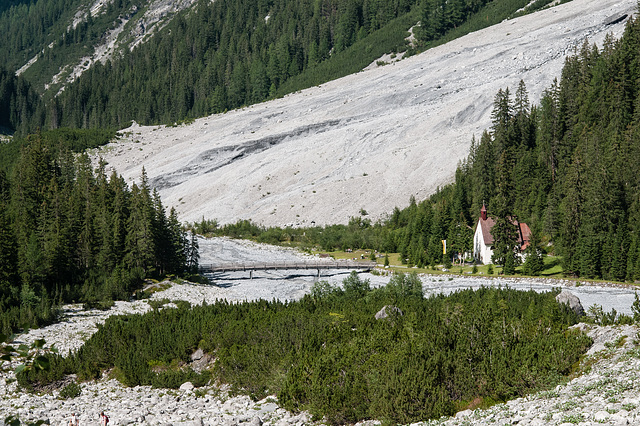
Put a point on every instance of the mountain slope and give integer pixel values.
(99, 61)
(55, 42)
(52, 42)
(368, 141)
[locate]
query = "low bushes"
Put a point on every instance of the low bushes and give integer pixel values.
(328, 354)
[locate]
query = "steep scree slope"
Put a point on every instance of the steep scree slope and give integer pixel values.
(367, 141)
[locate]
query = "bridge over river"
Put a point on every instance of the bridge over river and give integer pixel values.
(281, 266)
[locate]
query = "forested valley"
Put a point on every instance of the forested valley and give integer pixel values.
(568, 167)
(71, 232)
(214, 57)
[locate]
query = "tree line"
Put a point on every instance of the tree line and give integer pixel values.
(442, 20)
(69, 232)
(329, 355)
(210, 58)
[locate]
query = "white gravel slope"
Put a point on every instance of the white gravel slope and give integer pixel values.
(369, 140)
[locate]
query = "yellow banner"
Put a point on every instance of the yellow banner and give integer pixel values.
(444, 246)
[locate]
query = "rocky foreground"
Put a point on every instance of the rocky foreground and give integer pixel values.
(607, 391)
(210, 405)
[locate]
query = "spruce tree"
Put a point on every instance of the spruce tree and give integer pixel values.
(534, 256)
(8, 259)
(140, 241)
(193, 254)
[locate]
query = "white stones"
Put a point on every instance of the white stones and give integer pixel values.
(187, 387)
(255, 421)
(463, 414)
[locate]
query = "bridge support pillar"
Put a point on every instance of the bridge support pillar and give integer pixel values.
(250, 275)
(318, 271)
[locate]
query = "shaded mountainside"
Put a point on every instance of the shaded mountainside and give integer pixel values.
(51, 42)
(110, 61)
(103, 63)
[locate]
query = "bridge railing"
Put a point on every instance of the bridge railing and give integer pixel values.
(264, 266)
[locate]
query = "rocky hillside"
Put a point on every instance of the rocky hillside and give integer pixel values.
(117, 28)
(365, 143)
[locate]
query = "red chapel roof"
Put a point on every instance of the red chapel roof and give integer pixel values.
(524, 232)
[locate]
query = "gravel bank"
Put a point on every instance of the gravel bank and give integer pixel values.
(608, 393)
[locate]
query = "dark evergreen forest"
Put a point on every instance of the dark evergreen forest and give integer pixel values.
(18, 101)
(568, 167)
(217, 56)
(72, 233)
(329, 355)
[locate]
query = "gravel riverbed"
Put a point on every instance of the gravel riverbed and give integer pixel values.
(608, 392)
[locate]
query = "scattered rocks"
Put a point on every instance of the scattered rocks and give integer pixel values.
(255, 421)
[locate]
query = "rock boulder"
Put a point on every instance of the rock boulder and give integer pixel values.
(387, 311)
(572, 300)
(187, 386)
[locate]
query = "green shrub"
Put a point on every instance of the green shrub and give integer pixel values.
(102, 305)
(173, 379)
(72, 390)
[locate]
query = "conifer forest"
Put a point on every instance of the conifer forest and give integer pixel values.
(72, 233)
